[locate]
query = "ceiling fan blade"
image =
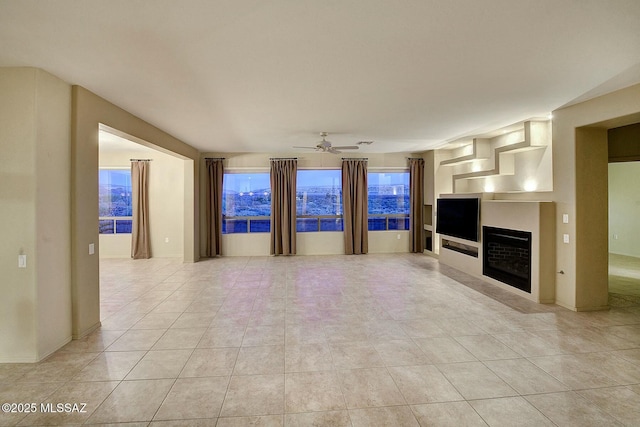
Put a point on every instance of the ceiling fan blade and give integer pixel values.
(308, 148)
(347, 147)
(333, 150)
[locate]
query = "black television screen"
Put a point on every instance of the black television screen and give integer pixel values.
(459, 218)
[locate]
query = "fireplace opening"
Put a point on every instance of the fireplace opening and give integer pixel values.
(507, 256)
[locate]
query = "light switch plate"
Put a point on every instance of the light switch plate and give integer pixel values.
(565, 238)
(22, 261)
(565, 218)
(92, 248)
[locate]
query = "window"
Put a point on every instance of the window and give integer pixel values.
(319, 200)
(114, 199)
(246, 203)
(388, 202)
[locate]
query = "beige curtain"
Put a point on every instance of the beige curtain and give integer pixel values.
(283, 206)
(140, 240)
(213, 206)
(416, 203)
(354, 206)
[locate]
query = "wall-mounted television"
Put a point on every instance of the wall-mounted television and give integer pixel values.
(459, 217)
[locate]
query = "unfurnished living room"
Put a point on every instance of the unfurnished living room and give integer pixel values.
(320, 213)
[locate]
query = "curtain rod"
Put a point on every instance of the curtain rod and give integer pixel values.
(415, 158)
(141, 160)
(355, 158)
(283, 158)
(215, 158)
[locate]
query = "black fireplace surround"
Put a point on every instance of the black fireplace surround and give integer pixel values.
(507, 256)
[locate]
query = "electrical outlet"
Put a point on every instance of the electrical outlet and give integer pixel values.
(22, 261)
(615, 237)
(565, 238)
(398, 236)
(166, 240)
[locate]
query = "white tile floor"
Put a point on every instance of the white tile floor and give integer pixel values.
(383, 340)
(624, 280)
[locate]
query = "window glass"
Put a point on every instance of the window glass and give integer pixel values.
(319, 200)
(388, 202)
(114, 192)
(388, 192)
(246, 194)
(114, 201)
(246, 203)
(318, 192)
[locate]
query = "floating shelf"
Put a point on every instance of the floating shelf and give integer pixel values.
(501, 165)
(481, 150)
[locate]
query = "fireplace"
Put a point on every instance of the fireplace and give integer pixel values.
(507, 256)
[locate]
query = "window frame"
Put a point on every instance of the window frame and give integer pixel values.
(319, 218)
(115, 218)
(247, 219)
(389, 216)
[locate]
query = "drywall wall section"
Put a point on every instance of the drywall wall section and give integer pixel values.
(34, 219)
(53, 212)
(574, 194)
(591, 219)
(624, 209)
(89, 111)
(320, 243)
(166, 207)
(18, 215)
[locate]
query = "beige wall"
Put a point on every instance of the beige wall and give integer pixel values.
(581, 193)
(321, 243)
(166, 205)
(88, 113)
(624, 209)
(34, 188)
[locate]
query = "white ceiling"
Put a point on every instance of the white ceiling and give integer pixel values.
(262, 76)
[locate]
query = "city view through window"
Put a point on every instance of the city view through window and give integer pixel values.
(246, 201)
(247, 197)
(114, 201)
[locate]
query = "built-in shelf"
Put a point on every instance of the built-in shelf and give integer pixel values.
(495, 157)
(480, 149)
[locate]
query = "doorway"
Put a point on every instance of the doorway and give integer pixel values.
(166, 211)
(624, 213)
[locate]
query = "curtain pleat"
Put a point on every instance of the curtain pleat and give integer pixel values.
(416, 202)
(283, 206)
(354, 206)
(213, 207)
(140, 239)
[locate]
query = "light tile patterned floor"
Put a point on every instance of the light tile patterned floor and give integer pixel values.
(382, 340)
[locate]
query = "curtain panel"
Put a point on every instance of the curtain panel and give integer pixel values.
(140, 239)
(213, 206)
(416, 203)
(283, 206)
(354, 206)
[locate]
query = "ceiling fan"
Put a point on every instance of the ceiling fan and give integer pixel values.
(325, 146)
